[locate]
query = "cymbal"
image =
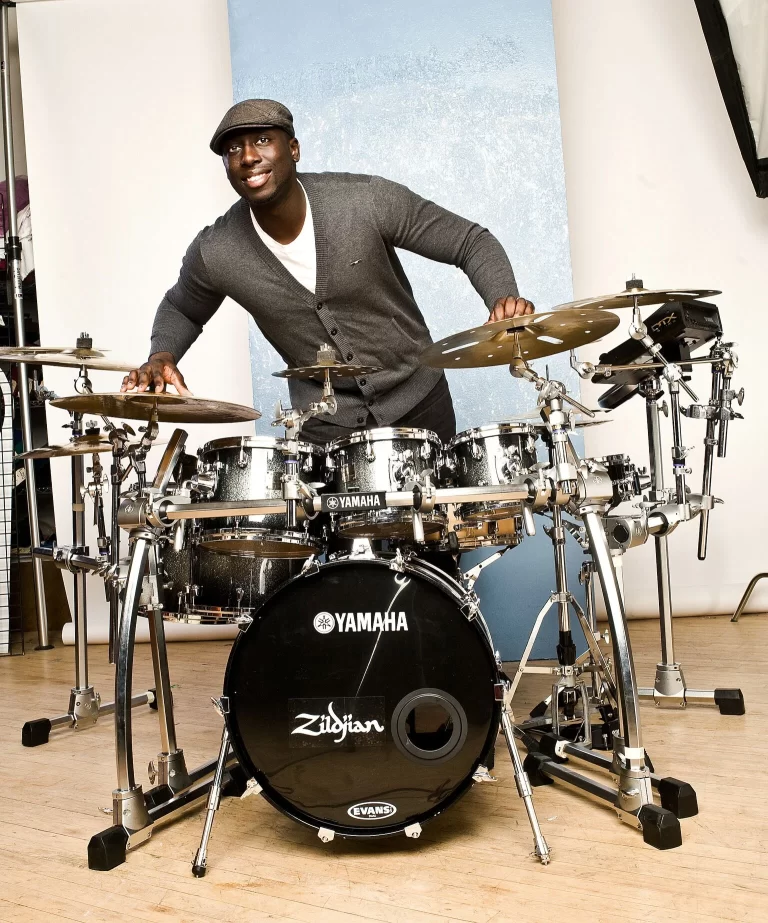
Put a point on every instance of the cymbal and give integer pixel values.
(530, 336)
(66, 356)
(317, 372)
(579, 420)
(171, 408)
(626, 299)
(83, 445)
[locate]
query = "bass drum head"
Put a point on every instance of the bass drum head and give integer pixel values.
(362, 699)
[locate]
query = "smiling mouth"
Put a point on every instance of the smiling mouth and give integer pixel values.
(257, 180)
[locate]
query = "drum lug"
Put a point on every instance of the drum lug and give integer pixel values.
(471, 606)
(398, 562)
(310, 566)
(252, 787)
(414, 831)
(221, 705)
(243, 621)
(242, 460)
(327, 835)
(370, 454)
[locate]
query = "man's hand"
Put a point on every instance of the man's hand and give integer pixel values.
(510, 307)
(159, 370)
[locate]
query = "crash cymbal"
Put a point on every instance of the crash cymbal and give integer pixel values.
(171, 408)
(67, 356)
(530, 336)
(317, 372)
(83, 445)
(579, 420)
(635, 290)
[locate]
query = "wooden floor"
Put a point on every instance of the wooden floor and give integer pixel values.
(472, 864)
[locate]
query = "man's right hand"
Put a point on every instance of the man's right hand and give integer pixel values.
(158, 371)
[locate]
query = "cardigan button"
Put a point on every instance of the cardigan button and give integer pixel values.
(320, 306)
(349, 357)
(334, 331)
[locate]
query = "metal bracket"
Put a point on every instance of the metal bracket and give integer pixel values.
(252, 787)
(326, 835)
(414, 831)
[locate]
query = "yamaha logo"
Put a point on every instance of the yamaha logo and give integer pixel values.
(324, 622)
(372, 810)
(333, 503)
(360, 621)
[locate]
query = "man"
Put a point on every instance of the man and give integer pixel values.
(312, 258)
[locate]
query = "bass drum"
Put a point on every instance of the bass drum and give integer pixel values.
(362, 698)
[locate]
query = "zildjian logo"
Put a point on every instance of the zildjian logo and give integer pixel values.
(333, 724)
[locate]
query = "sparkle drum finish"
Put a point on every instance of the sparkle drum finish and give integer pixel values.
(201, 586)
(385, 459)
(491, 455)
(252, 468)
(363, 722)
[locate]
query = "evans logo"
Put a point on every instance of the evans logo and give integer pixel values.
(372, 810)
(325, 622)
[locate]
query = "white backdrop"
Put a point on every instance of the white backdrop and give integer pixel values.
(120, 101)
(656, 185)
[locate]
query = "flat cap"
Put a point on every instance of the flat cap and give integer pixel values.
(253, 113)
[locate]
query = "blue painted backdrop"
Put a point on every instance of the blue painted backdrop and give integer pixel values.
(460, 103)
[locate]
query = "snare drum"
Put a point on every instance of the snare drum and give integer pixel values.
(381, 460)
(252, 468)
(489, 456)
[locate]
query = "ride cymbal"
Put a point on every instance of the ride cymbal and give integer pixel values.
(530, 336)
(171, 408)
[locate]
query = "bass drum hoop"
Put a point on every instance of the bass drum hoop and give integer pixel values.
(438, 578)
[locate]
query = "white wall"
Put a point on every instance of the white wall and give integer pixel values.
(120, 101)
(19, 150)
(656, 186)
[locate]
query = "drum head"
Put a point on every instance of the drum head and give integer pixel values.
(260, 543)
(363, 699)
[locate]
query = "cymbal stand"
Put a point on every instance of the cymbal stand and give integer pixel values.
(584, 488)
(670, 689)
(85, 706)
(134, 812)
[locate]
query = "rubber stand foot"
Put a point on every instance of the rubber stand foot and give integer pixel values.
(678, 797)
(35, 733)
(532, 766)
(548, 744)
(198, 871)
(44, 647)
(538, 711)
(106, 850)
(661, 829)
(153, 703)
(237, 783)
(730, 701)
(160, 794)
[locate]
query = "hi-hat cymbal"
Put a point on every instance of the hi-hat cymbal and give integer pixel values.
(83, 445)
(67, 356)
(171, 408)
(530, 336)
(317, 372)
(644, 296)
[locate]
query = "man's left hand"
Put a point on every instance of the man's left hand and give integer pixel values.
(510, 307)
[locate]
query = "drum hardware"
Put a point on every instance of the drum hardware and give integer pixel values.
(649, 378)
(747, 593)
(85, 704)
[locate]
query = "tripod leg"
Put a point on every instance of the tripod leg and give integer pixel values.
(529, 646)
(747, 593)
(214, 800)
(524, 788)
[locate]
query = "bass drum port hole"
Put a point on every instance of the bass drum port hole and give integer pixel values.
(429, 725)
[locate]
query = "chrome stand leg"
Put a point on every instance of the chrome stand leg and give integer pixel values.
(171, 766)
(214, 800)
(747, 593)
(524, 789)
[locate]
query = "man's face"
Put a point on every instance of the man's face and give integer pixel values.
(260, 164)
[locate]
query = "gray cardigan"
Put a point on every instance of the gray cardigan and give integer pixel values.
(363, 303)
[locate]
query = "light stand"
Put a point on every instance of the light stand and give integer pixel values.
(13, 269)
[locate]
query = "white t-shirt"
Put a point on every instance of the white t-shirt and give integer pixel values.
(299, 256)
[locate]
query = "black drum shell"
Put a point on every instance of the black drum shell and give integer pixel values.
(282, 660)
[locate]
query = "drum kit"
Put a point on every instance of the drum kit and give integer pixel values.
(363, 694)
